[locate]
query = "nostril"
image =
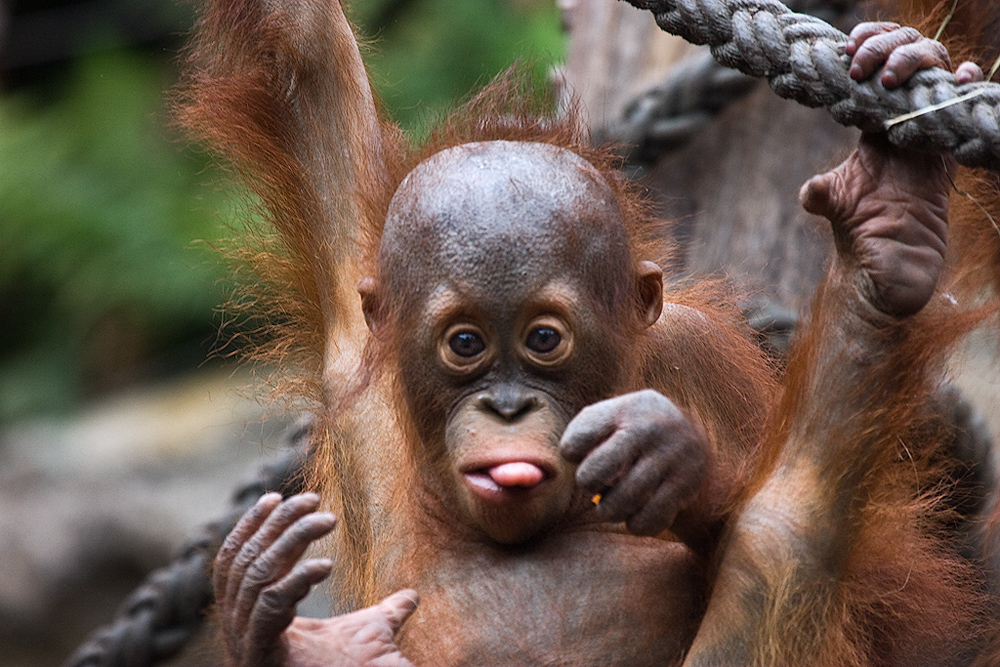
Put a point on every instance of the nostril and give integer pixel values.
(528, 404)
(508, 405)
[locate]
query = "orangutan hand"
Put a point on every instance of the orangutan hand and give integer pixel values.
(259, 582)
(903, 51)
(642, 454)
(889, 207)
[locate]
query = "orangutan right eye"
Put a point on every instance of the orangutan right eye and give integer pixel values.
(543, 340)
(548, 341)
(466, 344)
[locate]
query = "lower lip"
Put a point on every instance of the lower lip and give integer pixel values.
(486, 488)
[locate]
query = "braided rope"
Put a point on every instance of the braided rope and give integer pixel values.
(803, 59)
(163, 614)
(668, 115)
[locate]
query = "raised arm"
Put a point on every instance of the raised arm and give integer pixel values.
(278, 89)
(854, 391)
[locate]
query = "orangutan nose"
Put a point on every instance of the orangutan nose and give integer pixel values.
(508, 403)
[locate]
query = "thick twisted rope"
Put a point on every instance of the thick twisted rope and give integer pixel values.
(803, 59)
(162, 615)
(668, 115)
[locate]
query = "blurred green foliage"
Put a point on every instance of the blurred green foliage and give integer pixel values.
(102, 278)
(429, 54)
(98, 210)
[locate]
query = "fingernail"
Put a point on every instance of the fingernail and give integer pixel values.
(889, 79)
(856, 73)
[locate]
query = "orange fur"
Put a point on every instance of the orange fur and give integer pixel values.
(291, 110)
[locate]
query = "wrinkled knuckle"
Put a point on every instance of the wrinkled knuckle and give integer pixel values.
(261, 571)
(273, 600)
(247, 555)
(875, 50)
(220, 566)
(940, 55)
(220, 580)
(373, 632)
(287, 510)
(230, 546)
(908, 59)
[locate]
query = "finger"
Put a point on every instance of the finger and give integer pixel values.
(280, 558)
(875, 50)
(592, 426)
(630, 494)
(398, 607)
(608, 463)
(969, 72)
(276, 605)
(659, 513)
(908, 59)
(247, 526)
(283, 516)
(863, 31)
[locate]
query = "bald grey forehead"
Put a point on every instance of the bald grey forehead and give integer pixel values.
(503, 213)
(523, 178)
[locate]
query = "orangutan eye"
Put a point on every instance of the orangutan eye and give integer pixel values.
(548, 341)
(464, 348)
(543, 340)
(466, 344)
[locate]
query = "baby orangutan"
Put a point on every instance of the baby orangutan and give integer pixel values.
(514, 355)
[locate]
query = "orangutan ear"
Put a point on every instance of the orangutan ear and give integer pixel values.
(649, 281)
(371, 304)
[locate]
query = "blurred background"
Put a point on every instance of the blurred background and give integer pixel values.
(119, 429)
(107, 273)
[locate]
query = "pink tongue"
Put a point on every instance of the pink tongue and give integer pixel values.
(518, 473)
